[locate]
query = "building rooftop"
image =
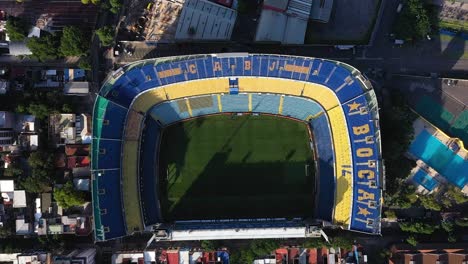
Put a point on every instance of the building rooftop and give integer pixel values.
(19, 199)
(204, 20)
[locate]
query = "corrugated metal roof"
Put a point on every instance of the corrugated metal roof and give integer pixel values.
(321, 10)
(203, 20)
(279, 4)
(300, 8)
(278, 27)
(271, 26)
(295, 31)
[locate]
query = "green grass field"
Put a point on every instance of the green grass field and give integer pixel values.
(236, 167)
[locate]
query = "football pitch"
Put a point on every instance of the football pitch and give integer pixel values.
(228, 166)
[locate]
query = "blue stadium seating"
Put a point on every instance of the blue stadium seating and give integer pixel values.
(265, 103)
(149, 172)
(369, 174)
(115, 116)
(110, 203)
(168, 113)
(136, 76)
(123, 91)
(109, 153)
(326, 181)
(235, 103)
(300, 108)
(148, 70)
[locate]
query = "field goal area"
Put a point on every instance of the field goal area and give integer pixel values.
(226, 166)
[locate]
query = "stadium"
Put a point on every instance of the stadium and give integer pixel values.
(235, 146)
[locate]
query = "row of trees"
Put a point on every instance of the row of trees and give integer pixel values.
(413, 22)
(111, 5)
(72, 41)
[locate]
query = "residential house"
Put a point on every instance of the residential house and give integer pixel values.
(17, 129)
(23, 227)
(429, 253)
(69, 129)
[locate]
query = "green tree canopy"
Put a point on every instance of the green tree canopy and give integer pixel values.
(43, 48)
(115, 6)
(255, 249)
(412, 241)
(106, 35)
(413, 21)
(34, 183)
(430, 202)
(73, 42)
(68, 196)
(418, 228)
(16, 28)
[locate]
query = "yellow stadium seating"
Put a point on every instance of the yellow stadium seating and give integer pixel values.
(343, 169)
(130, 188)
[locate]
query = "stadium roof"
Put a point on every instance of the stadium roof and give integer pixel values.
(233, 233)
(278, 27)
(321, 10)
(204, 20)
(278, 5)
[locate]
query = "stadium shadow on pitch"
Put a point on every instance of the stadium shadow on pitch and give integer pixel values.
(239, 190)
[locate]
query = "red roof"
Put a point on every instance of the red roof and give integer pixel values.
(78, 161)
(77, 150)
(173, 257)
(293, 254)
(313, 256)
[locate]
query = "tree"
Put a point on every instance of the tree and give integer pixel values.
(463, 222)
(447, 226)
(16, 28)
(115, 6)
(43, 48)
(342, 242)
(41, 160)
(84, 63)
(390, 214)
(419, 228)
(255, 249)
(430, 202)
(13, 171)
(34, 184)
(68, 196)
(456, 195)
(39, 110)
(413, 22)
(412, 241)
(208, 245)
(73, 42)
(106, 35)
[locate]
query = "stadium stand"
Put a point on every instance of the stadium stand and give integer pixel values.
(130, 186)
(110, 203)
(326, 182)
(204, 105)
(265, 103)
(169, 112)
(106, 153)
(148, 172)
(343, 166)
(300, 108)
(365, 155)
(235, 103)
(292, 86)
